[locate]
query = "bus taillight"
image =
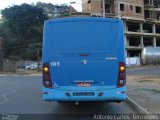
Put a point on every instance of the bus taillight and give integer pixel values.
(46, 76)
(121, 75)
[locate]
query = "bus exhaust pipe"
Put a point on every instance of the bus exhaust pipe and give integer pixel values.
(119, 102)
(77, 103)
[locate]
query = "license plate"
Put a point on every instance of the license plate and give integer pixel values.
(83, 94)
(84, 84)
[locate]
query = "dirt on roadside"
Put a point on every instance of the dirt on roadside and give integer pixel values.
(145, 90)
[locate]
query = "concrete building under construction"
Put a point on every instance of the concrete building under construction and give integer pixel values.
(141, 21)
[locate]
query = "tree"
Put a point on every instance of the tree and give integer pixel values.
(24, 27)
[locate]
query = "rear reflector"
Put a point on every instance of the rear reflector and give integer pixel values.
(84, 54)
(121, 82)
(123, 92)
(46, 76)
(45, 92)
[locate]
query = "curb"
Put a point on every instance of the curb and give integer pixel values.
(35, 74)
(20, 75)
(136, 106)
(32, 74)
(3, 75)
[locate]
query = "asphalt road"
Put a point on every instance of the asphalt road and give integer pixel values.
(23, 95)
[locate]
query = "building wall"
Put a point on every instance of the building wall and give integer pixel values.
(86, 7)
(1, 61)
(92, 6)
(96, 7)
(130, 9)
(1, 40)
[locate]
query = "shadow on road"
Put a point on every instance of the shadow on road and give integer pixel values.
(88, 108)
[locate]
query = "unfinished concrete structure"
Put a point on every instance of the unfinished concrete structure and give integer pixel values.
(141, 21)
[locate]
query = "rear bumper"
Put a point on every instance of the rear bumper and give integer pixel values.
(117, 94)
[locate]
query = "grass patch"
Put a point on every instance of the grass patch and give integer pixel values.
(152, 90)
(141, 81)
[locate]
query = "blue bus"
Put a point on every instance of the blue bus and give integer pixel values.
(84, 60)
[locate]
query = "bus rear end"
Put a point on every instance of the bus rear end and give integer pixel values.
(84, 60)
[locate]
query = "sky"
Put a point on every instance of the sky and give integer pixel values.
(7, 3)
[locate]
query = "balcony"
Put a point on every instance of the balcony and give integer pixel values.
(148, 6)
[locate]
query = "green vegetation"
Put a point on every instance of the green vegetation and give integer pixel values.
(21, 28)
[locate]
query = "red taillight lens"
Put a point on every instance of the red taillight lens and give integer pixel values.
(46, 76)
(121, 75)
